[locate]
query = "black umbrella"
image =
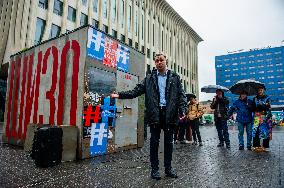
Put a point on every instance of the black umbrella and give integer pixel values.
(213, 88)
(249, 86)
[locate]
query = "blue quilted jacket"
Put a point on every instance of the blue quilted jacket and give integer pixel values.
(244, 109)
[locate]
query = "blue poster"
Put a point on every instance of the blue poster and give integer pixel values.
(96, 44)
(108, 111)
(99, 135)
(122, 54)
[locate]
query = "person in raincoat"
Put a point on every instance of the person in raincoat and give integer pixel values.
(220, 105)
(244, 109)
(262, 125)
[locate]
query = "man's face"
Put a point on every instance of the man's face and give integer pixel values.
(243, 96)
(260, 91)
(192, 100)
(160, 62)
(219, 93)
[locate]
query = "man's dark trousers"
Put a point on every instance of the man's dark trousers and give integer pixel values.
(154, 142)
(222, 129)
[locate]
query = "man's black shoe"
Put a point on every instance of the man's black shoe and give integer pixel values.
(155, 174)
(241, 148)
(249, 148)
(171, 173)
(228, 146)
(220, 145)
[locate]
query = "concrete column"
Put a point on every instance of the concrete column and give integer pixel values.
(100, 13)
(90, 12)
(48, 20)
(64, 17)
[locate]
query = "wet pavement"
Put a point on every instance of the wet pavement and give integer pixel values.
(197, 166)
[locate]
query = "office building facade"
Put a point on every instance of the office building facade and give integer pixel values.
(149, 26)
(265, 65)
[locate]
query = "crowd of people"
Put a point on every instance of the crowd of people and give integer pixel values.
(254, 116)
(167, 109)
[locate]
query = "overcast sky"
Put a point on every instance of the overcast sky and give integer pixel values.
(228, 25)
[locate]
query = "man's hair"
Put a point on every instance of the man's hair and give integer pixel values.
(159, 54)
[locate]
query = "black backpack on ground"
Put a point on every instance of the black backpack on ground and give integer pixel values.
(47, 146)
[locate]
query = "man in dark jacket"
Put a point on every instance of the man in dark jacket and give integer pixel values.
(165, 102)
(220, 104)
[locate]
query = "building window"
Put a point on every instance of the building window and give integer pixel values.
(55, 31)
(170, 45)
(105, 28)
(148, 53)
(122, 12)
(83, 19)
(95, 6)
(154, 55)
(95, 23)
(129, 18)
(43, 4)
(142, 49)
(122, 38)
(142, 27)
(136, 24)
(130, 42)
(84, 2)
(148, 69)
(40, 26)
(114, 33)
(71, 14)
(113, 4)
(162, 40)
(58, 7)
(136, 45)
(105, 8)
(153, 34)
(148, 31)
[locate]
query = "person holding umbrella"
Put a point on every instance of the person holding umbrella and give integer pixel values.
(262, 127)
(220, 104)
(244, 108)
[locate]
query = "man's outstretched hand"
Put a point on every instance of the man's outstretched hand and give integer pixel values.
(114, 95)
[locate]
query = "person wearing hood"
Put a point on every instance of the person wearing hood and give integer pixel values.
(244, 109)
(262, 126)
(220, 104)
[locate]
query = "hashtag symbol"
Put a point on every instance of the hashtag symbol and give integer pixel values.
(108, 111)
(92, 115)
